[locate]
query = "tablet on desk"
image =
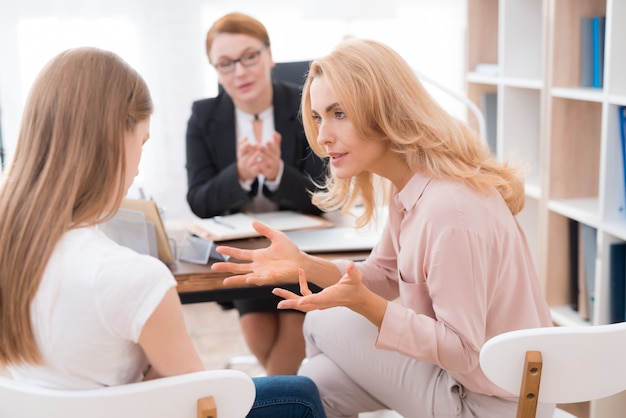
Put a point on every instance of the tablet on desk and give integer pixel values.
(329, 240)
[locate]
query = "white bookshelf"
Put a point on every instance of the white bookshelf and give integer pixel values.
(567, 136)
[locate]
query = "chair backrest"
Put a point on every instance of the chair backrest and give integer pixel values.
(180, 396)
(578, 364)
(293, 72)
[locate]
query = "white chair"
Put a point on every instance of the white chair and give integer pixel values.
(201, 394)
(557, 365)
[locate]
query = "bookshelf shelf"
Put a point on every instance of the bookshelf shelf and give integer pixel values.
(616, 229)
(617, 99)
(581, 210)
(566, 316)
(579, 93)
(482, 79)
(528, 83)
(567, 135)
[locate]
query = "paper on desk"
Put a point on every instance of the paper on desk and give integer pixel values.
(239, 225)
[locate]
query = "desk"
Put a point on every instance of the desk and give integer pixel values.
(198, 283)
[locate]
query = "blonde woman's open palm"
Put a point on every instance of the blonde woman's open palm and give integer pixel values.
(349, 291)
(275, 264)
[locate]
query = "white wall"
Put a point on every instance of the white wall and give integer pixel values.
(164, 41)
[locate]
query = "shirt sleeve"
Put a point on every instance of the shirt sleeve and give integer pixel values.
(130, 286)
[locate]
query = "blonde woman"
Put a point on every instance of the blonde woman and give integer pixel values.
(78, 311)
(403, 329)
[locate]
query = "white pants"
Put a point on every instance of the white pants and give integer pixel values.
(353, 376)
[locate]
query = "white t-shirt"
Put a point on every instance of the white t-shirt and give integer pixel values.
(93, 301)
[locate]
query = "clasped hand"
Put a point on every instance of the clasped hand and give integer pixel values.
(254, 158)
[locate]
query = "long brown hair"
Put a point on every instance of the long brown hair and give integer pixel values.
(385, 101)
(67, 172)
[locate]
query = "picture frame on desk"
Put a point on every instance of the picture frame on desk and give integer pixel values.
(150, 236)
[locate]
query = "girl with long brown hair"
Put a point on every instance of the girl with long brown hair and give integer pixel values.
(77, 310)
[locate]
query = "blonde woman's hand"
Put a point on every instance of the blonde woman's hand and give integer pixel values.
(349, 291)
(275, 264)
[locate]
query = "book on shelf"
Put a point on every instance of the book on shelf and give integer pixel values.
(621, 110)
(490, 110)
(583, 291)
(592, 34)
(587, 269)
(617, 282)
(586, 52)
(573, 264)
(598, 50)
(239, 225)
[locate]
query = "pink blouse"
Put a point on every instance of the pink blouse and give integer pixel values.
(460, 265)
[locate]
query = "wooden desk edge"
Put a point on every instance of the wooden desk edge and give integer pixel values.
(199, 277)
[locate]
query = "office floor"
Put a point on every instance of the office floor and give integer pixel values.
(216, 335)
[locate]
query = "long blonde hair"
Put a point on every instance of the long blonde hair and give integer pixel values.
(67, 170)
(385, 101)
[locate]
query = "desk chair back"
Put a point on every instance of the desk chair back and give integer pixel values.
(558, 364)
(193, 395)
(293, 72)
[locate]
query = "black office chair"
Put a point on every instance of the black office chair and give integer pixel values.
(294, 72)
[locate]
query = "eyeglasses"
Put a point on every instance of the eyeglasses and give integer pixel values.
(248, 59)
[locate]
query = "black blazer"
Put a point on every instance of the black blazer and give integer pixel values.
(213, 185)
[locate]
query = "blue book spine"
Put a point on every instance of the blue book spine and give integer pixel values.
(598, 49)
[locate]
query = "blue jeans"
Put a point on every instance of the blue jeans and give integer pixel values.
(286, 397)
